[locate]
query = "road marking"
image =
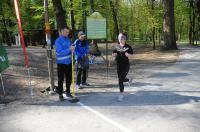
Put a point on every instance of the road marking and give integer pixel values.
(124, 129)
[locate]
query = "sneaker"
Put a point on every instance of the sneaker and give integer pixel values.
(61, 98)
(69, 95)
(85, 84)
(130, 81)
(79, 87)
(120, 97)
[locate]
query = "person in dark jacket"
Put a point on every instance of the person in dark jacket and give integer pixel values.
(64, 49)
(81, 57)
(122, 52)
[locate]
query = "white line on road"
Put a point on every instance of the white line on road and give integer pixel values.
(124, 129)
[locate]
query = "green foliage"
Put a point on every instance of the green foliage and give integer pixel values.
(181, 13)
(134, 16)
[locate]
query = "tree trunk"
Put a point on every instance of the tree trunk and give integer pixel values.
(192, 23)
(153, 30)
(92, 6)
(169, 25)
(29, 40)
(6, 34)
(198, 10)
(181, 29)
(127, 20)
(116, 27)
(198, 6)
(153, 38)
(72, 20)
(198, 19)
(84, 15)
(60, 14)
(159, 36)
(190, 28)
(132, 21)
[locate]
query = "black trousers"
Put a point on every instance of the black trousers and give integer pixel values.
(122, 72)
(64, 71)
(81, 76)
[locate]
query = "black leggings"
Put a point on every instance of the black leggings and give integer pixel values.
(64, 71)
(122, 71)
(81, 76)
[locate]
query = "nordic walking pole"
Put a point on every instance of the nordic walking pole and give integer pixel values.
(74, 98)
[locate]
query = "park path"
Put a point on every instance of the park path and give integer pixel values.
(163, 98)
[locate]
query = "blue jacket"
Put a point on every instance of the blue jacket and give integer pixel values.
(63, 52)
(81, 49)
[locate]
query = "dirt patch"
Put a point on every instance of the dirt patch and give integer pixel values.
(144, 53)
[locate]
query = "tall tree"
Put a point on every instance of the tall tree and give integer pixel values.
(84, 5)
(60, 14)
(27, 10)
(153, 30)
(5, 34)
(192, 22)
(198, 12)
(72, 18)
(169, 25)
(92, 6)
(114, 13)
(198, 7)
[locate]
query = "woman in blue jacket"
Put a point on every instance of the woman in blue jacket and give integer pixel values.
(81, 57)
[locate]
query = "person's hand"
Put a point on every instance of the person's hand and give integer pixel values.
(114, 54)
(72, 48)
(127, 54)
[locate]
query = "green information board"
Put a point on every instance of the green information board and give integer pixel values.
(3, 59)
(96, 26)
